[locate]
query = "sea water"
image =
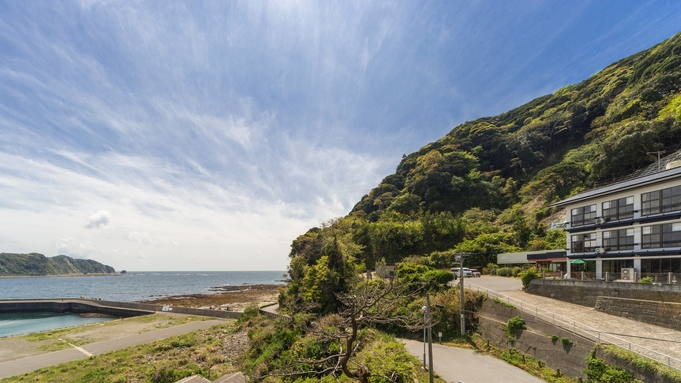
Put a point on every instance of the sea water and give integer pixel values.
(23, 323)
(129, 287)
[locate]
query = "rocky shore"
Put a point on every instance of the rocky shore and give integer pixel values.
(228, 298)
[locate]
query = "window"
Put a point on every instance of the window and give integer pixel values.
(583, 215)
(617, 209)
(619, 239)
(659, 236)
(661, 201)
(583, 243)
(650, 237)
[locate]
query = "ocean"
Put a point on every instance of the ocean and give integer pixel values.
(133, 286)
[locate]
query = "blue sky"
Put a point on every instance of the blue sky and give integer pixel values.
(208, 135)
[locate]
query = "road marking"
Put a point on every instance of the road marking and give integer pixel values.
(84, 351)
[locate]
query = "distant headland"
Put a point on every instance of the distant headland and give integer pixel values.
(35, 265)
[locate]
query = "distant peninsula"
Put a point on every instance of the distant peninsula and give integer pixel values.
(34, 265)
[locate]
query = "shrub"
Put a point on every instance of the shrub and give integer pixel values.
(646, 280)
(528, 275)
(503, 272)
(514, 325)
(566, 341)
(554, 338)
(515, 271)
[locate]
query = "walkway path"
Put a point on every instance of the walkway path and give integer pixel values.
(456, 365)
(32, 363)
(660, 339)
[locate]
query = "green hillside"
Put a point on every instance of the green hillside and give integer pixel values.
(35, 264)
(486, 186)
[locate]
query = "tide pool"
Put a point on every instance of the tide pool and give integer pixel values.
(24, 323)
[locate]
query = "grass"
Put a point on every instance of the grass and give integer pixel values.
(53, 342)
(499, 301)
(168, 360)
(643, 364)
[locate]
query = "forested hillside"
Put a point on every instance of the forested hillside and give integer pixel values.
(486, 187)
(37, 264)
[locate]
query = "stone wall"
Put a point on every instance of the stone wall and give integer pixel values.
(586, 293)
(665, 314)
(536, 340)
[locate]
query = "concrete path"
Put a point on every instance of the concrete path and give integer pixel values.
(660, 339)
(456, 365)
(32, 363)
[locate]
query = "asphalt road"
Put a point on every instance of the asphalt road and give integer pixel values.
(460, 365)
(32, 363)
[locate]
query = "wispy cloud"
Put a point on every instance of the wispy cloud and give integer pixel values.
(169, 135)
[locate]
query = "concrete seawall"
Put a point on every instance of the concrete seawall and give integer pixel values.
(118, 309)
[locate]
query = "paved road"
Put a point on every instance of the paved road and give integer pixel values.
(32, 363)
(456, 365)
(659, 339)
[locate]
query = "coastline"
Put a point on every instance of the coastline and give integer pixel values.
(228, 298)
(61, 275)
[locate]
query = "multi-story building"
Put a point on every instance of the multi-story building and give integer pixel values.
(635, 223)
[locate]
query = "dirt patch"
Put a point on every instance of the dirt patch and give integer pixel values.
(229, 298)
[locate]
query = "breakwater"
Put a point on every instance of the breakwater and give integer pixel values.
(112, 308)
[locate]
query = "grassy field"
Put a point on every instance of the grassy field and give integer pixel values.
(209, 353)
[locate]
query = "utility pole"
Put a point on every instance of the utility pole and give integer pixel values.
(658, 157)
(430, 339)
(460, 258)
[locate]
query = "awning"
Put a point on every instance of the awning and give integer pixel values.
(577, 262)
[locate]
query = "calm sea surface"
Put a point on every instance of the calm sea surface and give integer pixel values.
(134, 286)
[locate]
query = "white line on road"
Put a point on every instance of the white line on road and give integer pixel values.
(84, 351)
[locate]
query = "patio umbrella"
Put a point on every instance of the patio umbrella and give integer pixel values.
(577, 262)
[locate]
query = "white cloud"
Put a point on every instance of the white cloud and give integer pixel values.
(99, 219)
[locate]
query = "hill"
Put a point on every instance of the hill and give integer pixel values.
(35, 264)
(486, 187)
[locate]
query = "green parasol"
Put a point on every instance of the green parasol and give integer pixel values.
(577, 262)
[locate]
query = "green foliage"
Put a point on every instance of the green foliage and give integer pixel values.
(528, 275)
(501, 302)
(38, 264)
(419, 275)
(504, 272)
(484, 187)
(566, 341)
(554, 338)
(646, 280)
(513, 326)
(643, 364)
(597, 371)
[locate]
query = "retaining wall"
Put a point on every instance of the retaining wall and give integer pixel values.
(586, 293)
(536, 340)
(665, 314)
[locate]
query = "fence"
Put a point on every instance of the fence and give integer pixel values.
(581, 329)
(657, 278)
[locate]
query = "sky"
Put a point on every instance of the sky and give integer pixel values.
(208, 135)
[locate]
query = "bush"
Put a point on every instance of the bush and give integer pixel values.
(514, 325)
(515, 271)
(646, 280)
(503, 272)
(528, 275)
(566, 341)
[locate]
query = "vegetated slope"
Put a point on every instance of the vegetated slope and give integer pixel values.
(549, 148)
(485, 188)
(37, 264)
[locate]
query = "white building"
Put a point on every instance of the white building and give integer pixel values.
(634, 223)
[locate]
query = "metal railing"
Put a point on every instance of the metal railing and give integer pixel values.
(658, 278)
(581, 329)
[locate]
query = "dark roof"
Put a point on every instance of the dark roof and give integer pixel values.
(648, 175)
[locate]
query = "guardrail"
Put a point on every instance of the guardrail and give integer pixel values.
(581, 329)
